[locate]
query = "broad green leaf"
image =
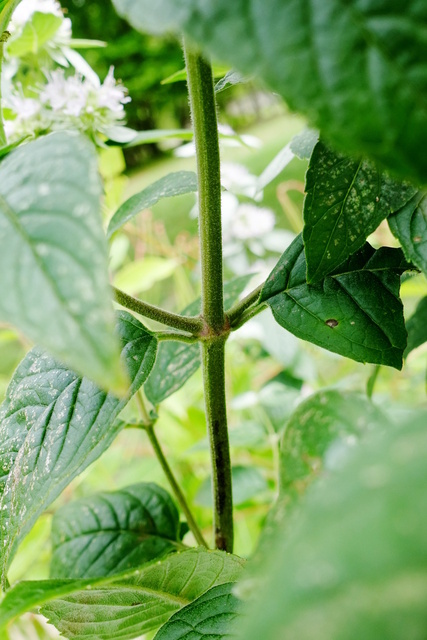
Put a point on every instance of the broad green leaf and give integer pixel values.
(409, 225)
(357, 70)
(36, 33)
(230, 79)
(355, 563)
(176, 362)
(127, 605)
(174, 184)
(302, 145)
(319, 435)
(53, 263)
(212, 616)
(53, 424)
(157, 135)
(416, 327)
(346, 201)
(355, 311)
(111, 532)
(248, 482)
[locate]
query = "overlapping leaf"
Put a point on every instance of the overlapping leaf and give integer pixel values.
(346, 201)
(356, 69)
(355, 563)
(210, 616)
(53, 424)
(177, 361)
(416, 327)
(174, 184)
(319, 435)
(111, 532)
(53, 259)
(409, 225)
(356, 311)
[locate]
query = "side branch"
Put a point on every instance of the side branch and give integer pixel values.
(183, 323)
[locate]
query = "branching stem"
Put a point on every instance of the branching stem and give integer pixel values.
(216, 329)
(240, 306)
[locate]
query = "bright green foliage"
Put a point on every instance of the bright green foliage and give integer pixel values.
(357, 70)
(53, 424)
(354, 565)
(174, 184)
(346, 201)
(36, 33)
(111, 532)
(176, 362)
(144, 599)
(356, 311)
(320, 434)
(409, 225)
(123, 606)
(416, 327)
(210, 617)
(53, 262)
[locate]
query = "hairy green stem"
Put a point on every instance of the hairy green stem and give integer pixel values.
(174, 320)
(149, 428)
(216, 417)
(240, 306)
(203, 112)
(172, 336)
(247, 315)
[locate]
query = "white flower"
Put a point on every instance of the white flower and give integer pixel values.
(252, 221)
(66, 95)
(111, 95)
(26, 8)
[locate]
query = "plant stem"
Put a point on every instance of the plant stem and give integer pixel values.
(240, 306)
(168, 336)
(203, 113)
(3, 140)
(149, 428)
(216, 418)
(370, 385)
(174, 320)
(247, 315)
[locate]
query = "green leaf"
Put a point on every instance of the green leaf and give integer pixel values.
(356, 311)
(53, 424)
(157, 135)
(248, 482)
(211, 616)
(34, 36)
(174, 184)
(355, 563)
(357, 69)
(176, 362)
(125, 606)
(302, 145)
(53, 264)
(409, 225)
(111, 532)
(230, 79)
(346, 201)
(416, 327)
(319, 435)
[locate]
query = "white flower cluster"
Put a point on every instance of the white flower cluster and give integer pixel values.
(66, 102)
(71, 97)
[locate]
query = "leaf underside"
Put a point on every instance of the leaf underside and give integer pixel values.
(356, 69)
(110, 532)
(53, 424)
(355, 311)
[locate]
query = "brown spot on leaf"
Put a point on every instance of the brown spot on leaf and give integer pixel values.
(416, 239)
(332, 323)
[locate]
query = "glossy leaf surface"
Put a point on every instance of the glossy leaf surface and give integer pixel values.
(53, 263)
(176, 362)
(357, 69)
(174, 184)
(209, 617)
(111, 532)
(409, 225)
(53, 424)
(127, 605)
(346, 201)
(356, 311)
(355, 563)
(320, 434)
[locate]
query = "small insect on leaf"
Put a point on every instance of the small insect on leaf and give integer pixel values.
(332, 323)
